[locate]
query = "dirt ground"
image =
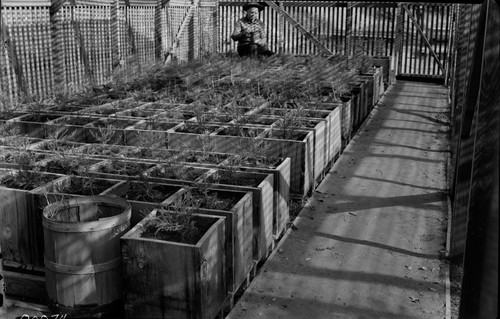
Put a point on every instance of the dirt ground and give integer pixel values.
(371, 241)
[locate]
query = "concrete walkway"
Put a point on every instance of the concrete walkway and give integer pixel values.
(370, 242)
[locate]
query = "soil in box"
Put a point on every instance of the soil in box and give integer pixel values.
(147, 153)
(77, 120)
(235, 130)
(149, 192)
(55, 145)
(176, 227)
(104, 150)
(195, 128)
(39, 118)
(85, 186)
(124, 168)
(68, 165)
(183, 172)
(208, 158)
(214, 199)
(26, 180)
(284, 134)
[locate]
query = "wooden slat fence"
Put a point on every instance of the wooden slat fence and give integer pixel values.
(368, 28)
(54, 45)
(64, 44)
(372, 26)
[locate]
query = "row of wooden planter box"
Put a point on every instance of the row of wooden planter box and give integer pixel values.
(311, 153)
(312, 149)
(313, 157)
(264, 217)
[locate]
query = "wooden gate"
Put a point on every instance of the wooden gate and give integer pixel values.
(425, 39)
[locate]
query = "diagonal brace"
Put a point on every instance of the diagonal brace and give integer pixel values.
(299, 27)
(419, 29)
(182, 28)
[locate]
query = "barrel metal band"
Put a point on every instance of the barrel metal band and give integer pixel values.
(83, 270)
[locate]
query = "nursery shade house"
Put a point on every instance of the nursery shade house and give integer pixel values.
(149, 171)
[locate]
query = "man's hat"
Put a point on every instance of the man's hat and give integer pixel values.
(249, 5)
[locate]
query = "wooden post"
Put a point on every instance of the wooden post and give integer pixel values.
(281, 32)
(398, 41)
(57, 43)
(81, 45)
(6, 82)
(115, 34)
(349, 29)
(160, 5)
(10, 46)
(130, 31)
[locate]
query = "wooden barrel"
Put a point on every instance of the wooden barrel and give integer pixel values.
(83, 254)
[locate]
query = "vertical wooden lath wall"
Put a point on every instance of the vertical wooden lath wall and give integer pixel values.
(371, 24)
(416, 57)
(62, 45)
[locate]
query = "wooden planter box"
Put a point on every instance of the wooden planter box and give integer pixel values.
(49, 164)
(301, 153)
(332, 139)
(263, 206)
(281, 178)
(376, 75)
(388, 74)
(239, 237)
(74, 126)
(345, 119)
(119, 127)
(134, 136)
(34, 125)
(161, 172)
(368, 97)
(166, 193)
(21, 240)
(8, 157)
(108, 169)
(166, 279)
(320, 124)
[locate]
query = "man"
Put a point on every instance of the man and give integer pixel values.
(250, 32)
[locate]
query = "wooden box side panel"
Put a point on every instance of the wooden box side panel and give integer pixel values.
(320, 148)
(346, 120)
(301, 170)
(336, 137)
(186, 140)
(266, 207)
(283, 198)
(159, 279)
(243, 240)
(210, 272)
(21, 235)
